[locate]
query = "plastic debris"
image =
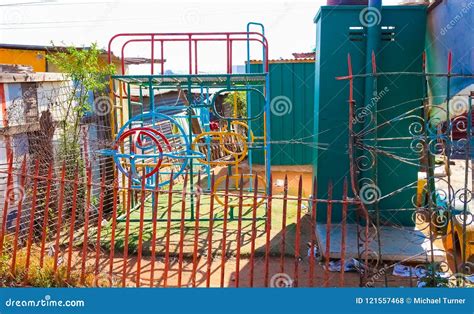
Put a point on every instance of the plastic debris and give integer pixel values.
(469, 279)
(401, 270)
(351, 265)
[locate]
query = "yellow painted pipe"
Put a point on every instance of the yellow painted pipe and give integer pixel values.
(238, 156)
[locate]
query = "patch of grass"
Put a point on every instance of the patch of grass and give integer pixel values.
(203, 230)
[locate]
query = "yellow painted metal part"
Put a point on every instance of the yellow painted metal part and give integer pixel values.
(236, 177)
(116, 122)
(221, 136)
(33, 58)
(420, 191)
(245, 126)
(450, 243)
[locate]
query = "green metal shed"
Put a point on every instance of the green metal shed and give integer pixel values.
(292, 107)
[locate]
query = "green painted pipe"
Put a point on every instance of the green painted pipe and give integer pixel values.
(374, 10)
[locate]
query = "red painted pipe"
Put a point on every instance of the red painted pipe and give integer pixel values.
(254, 230)
(162, 58)
(196, 234)
(126, 235)
(224, 231)
(181, 230)
(152, 41)
(140, 231)
(195, 57)
(156, 194)
(168, 231)
(211, 227)
(152, 37)
(238, 239)
(450, 62)
(113, 228)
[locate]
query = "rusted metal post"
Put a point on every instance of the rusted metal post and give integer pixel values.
(238, 239)
(297, 236)
(60, 217)
(127, 230)
(5, 204)
(73, 222)
(254, 230)
(99, 227)
(313, 233)
(283, 226)
(32, 219)
(168, 231)
(343, 233)
(224, 231)
(45, 214)
(156, 195)
(140, 230)
(209, 236)
(113, 228)
(328, 235)
(196, 232)
(268, 231)
(85, 243)
(181, 230)
(18, 213)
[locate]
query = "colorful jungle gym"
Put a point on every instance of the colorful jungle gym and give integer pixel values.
(191, 136)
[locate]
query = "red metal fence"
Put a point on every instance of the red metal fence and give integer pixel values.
(147, 237)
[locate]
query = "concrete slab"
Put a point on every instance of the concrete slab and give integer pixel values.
(406, 244)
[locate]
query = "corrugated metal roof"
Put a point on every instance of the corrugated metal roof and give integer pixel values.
(167, 100)
(138, 60)
(305, 60)
(304, 55)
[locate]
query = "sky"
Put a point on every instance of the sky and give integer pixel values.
(289, 25)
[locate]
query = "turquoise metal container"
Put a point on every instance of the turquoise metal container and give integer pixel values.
(340, 31)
